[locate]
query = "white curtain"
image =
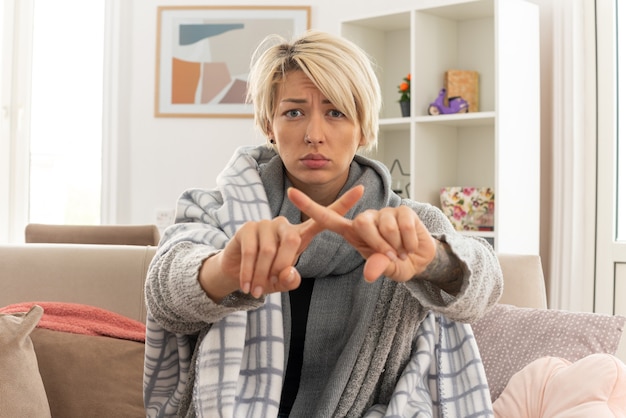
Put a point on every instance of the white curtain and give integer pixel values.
(573, 163)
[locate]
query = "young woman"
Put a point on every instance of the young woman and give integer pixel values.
(302, 285)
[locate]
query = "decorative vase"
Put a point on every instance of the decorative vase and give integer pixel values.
(405, 107)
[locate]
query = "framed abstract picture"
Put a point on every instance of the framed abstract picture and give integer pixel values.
(203, 55)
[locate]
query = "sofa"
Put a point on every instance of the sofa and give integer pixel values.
(65, 372)
(92, 234)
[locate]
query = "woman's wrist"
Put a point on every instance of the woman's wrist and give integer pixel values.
(212, 279)
(445, 270)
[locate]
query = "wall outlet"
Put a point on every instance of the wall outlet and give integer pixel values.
(164, 218)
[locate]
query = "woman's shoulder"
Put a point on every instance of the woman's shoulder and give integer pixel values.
(432, 217)
(420, 206)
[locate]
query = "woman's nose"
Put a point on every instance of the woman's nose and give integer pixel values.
(312, 140)
(315, 132)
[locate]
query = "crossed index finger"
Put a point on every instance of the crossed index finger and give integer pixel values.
(330, 217)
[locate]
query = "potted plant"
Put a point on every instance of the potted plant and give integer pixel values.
(405, 95)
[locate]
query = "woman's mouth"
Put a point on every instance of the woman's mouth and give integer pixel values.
(314, 161)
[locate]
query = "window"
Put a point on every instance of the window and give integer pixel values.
(66, 111)
(621, 121)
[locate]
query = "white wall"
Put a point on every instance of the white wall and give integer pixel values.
(160, 157)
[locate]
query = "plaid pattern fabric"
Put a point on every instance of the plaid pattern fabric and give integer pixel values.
(166, 369)
(444, 377)
(168, 355)
(239, 366)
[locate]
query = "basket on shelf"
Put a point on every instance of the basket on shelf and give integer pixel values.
(468, 208)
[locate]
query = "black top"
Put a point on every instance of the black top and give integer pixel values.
(299, 299)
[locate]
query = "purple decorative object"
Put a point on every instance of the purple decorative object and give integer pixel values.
(455, 105)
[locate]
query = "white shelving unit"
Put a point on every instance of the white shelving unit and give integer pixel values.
(498, 146)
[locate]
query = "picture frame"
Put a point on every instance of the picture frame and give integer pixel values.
(203, 55)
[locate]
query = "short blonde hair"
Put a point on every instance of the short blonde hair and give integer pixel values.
(339, 69)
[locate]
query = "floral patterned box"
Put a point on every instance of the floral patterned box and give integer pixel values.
(468, 208)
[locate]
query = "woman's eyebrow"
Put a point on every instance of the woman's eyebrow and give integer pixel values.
(290, 100)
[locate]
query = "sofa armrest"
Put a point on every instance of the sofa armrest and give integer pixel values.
(92, 234)
(524, 283)
(106, 276)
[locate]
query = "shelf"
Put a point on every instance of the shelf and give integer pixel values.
(469, 10)
(457, 120)
(395, 124)
(460, 119)
(388, 22)
(498, 146)
(483, 234)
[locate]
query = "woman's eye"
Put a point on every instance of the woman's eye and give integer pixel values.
(335, 113)
(293, 113)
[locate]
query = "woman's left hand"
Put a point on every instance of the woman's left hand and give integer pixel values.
(394, 241)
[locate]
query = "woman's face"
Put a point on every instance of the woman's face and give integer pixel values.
(315, 140)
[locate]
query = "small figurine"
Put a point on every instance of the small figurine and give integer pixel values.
(455, 105)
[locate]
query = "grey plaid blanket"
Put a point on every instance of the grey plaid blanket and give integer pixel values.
(411, 359)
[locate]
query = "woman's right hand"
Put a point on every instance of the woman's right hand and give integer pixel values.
(259, 259)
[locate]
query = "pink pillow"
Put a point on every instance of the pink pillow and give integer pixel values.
(510, 337)
(594, 386)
